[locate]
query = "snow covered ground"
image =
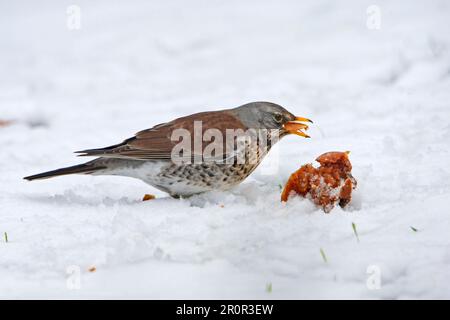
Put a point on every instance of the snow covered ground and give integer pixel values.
(382, 93)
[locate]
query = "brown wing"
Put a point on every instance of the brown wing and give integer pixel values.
(156, 143)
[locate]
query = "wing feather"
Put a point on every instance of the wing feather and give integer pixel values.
(156, 143)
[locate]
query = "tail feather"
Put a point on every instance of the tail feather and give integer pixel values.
(102, 151)
(85, 168)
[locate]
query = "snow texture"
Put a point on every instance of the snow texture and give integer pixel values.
(383, 94)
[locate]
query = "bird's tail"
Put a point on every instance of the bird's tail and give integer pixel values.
(85, 168)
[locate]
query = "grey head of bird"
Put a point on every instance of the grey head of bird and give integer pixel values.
(268, 115)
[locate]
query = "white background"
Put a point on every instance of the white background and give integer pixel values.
(382, 94)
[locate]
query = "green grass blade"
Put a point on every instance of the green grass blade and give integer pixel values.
(324, 257)
(355, 231)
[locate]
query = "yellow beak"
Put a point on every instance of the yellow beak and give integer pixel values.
(296, 126)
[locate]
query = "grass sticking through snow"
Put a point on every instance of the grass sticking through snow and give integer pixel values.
(355, 231)
(269, 287)
(324, 257)
(6, 237)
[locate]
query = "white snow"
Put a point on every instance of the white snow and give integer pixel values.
(383, 94)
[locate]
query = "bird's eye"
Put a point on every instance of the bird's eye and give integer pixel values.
(278, 117)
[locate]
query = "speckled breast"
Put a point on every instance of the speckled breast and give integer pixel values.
(194, 178)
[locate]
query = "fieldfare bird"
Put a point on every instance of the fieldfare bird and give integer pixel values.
(174, 157)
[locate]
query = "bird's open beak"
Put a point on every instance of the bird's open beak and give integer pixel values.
(296, 126)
